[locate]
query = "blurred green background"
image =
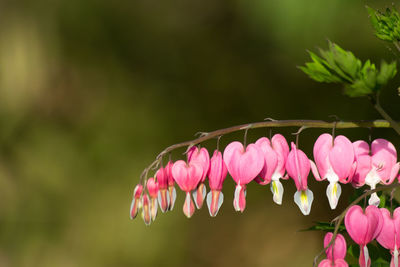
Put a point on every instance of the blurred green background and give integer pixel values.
(92, 90)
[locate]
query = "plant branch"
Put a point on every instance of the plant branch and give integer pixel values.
(338, 220)
(269, 124)
(395, 125)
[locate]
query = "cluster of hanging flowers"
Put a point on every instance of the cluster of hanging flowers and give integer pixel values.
(337, 160)
(364, 226)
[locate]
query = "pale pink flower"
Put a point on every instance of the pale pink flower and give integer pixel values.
(201, 156)
(152, 188)
(389, 237)
(339, 252)
(216, 176)
(137, 192)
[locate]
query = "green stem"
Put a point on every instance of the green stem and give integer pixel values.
(395, 125)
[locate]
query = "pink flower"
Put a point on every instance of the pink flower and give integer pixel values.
(187, 176)
(201, 156)
(152, 188)
(335, 162)
(275, 155)
(216, 177)
(339, 252)
(171, 183)
(243, 164)
(389, 237)
(137, 192)
(378, 167)
(146, 215)
(163, 196)
(363, 228)
(298, 167)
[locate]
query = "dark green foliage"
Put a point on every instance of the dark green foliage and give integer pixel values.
(325, 227)
(387, 25)
(337, 65)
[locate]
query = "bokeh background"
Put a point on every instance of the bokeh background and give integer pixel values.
(92, 90)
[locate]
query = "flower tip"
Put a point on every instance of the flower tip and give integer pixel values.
(304, 199)
(214, 202)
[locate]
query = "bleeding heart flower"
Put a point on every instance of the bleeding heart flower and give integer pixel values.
(216, 176)
(389, 237)
(335, 162)
(163, 195)
(243, 164)
(187, 176)
(376, 167)
(201, 156)
(152, 188)
(146, 215)
(171, 185)
(363, 227)
(339, 252)
(275, 155)
(137, 192)
(298, 167)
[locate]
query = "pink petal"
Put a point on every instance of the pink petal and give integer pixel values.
(356, 224)
(314, 171)
(387, 237)
(384, 157)
(146, 215)
(162, 178)
(298, 167)
(270, 160)
(202, 156)
(321, 151)
(341, 158)
(217, 172)
(340, 247)
(187, 175)
(396, 218)
(363, 160)
(168, 172)
(199, 195)
(281, 147)
(152, 187)
(163, 200)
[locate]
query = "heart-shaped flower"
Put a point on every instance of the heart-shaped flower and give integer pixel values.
(298, 167)
(275, 155)
(137, 192)
(335, 162)
(216, 176)
(363, 227)
(389, 237)
(187, 176)
(243, 164)
(201, 156)
(152, 188)
(339, 251)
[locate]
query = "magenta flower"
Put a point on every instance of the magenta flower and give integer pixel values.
(152, 188)
(275, 155)
(298, 167)
(201, 156)
(146, 215)
(389, 237)
(376, 167)
(363, 227)
(335, 162)
(171, 185)
(243, 164)
(187, 176)
(163, 195)
(137, 192)
(339, 252)
(216, 176)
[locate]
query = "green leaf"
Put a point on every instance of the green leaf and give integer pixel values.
(386, 25)
(337, 65)
(324, 226)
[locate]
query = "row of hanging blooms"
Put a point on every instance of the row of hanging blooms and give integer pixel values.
(337, 160)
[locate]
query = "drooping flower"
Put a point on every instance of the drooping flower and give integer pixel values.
(137, 192)
(152, 188)
(376, 167)
(146, 215)
(201, 156)
(216, 176)
(171, 185)
(243, 164)
(363, 227)
(335, 258)
(275, 155)
(187, 176)
(298, 167)
(163, 195)
(389, 237)
(335, 162)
